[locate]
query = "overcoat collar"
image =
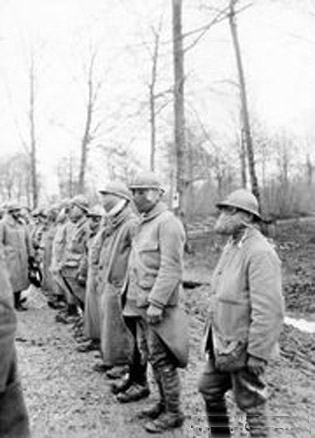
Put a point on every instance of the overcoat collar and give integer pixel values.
(159, 208)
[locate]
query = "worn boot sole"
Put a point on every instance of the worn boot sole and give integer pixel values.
(163, 423)
(133, 394)
(151, 413)
(122, 385)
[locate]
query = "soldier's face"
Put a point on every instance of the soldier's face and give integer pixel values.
(145, 199)
(94, 223)
(229, 221)
(75, 213)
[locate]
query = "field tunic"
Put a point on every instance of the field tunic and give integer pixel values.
(248, 307)
(156, 260)
(155, 275)
(47, 248)
(92, 311)
(15, 244)
(114, 255)
(75, 246)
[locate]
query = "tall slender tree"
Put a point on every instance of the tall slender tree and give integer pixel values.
(246, 128)
(152, 92)
(32, 127)
(179, 113)
(91, 125)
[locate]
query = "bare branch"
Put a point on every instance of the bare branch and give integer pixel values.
(221, 16)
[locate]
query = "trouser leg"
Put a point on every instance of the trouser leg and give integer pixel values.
(155, 410)
(257, 420)
(250, 394)
(218, 419)
(213, 384)
(167, 378)
(135, 386)
(171, 389)
(138, 362)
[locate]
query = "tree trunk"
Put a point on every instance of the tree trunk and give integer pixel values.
(84, 150)
(153, 128)
(243, 160)
(179, 116)
(152, 85)
(309, 170)
(245, 114)
(92, 89)
(33, 156)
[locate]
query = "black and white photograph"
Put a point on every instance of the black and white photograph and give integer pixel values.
(157, 218)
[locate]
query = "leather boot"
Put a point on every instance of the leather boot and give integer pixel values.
(154, 411)
(18, 302)
(218, 419)
(122, 384)
(137, 376)
(257, 419)
(172, 417)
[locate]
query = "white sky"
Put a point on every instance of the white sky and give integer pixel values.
(279, 54)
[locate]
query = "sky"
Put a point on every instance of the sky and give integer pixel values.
(278, 43)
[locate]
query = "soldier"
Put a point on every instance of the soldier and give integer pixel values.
(47, 244)
(75, 249)
(60, 290)
(245, 320)
(39, 227)
(116, 341)
(15, 245)
(87, 274)
(152, 295)
(13, 414)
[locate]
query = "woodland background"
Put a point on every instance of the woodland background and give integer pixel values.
(98, 91)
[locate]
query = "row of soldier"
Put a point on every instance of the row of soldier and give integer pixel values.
(115, 271)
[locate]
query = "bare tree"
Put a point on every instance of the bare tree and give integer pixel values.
(309, 170)
(91, 126)
(179, 112)
(120, 162)
(243, 92)
(66, 176)
(32, 127)
(152, 91)
(15, 181)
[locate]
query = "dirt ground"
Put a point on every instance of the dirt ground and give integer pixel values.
(66, 398)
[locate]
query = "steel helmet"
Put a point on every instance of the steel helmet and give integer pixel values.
(146, 180)
(243, 200)
(117, 188)
(80, 201)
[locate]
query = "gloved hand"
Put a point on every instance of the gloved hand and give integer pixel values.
(256, 365)
(154, 314)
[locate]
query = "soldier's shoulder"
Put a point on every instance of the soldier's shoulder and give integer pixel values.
(171, 222)
(258, 243)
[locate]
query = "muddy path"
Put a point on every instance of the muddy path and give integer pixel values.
(67, 399)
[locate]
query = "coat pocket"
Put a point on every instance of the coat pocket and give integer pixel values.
(230, 333)
(230, 356)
